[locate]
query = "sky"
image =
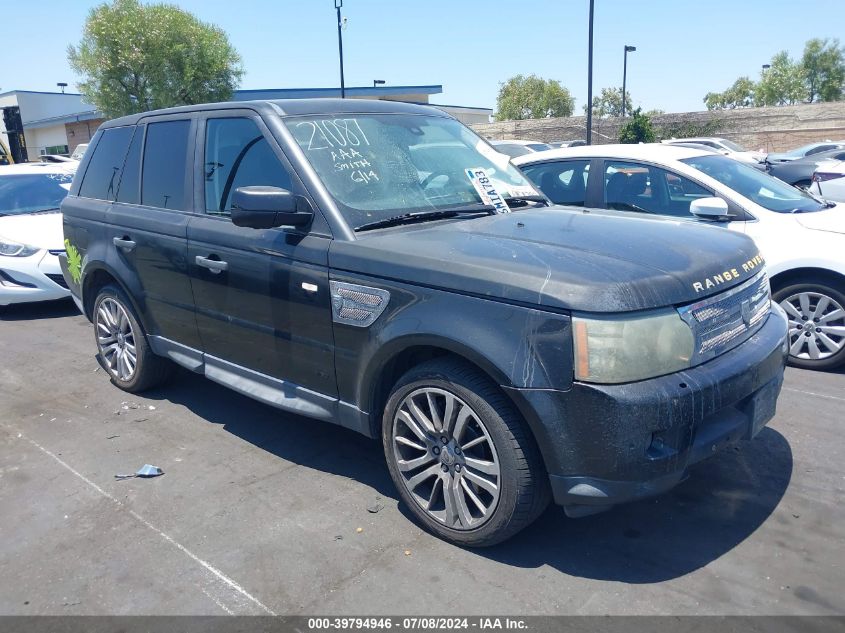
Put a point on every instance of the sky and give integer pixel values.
(685, 48)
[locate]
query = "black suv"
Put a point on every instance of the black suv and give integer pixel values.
(379, 266)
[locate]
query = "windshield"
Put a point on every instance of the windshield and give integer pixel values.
(757, 186)
(29, 193)
(731, 145)
(800, 152)
(379, 165)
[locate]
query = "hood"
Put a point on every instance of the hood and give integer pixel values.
(43, 230)
(592, 261)
(831, 220)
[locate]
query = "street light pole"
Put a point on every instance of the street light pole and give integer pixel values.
(337, 5)
(589, 138)
(628, 49)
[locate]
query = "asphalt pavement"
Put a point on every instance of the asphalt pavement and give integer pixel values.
(264, 512)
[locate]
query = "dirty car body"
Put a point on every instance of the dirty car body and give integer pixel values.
(612, 351)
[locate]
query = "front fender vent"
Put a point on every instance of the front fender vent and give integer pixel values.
(357, 305)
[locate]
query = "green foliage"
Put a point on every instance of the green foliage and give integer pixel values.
(609, 103)
(136, 57)
(74, 262)
(637, 129)
(823, 64)
(692, 129)
(782, 84)
(531, 97)
(739, 95)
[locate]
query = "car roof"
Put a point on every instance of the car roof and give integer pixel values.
(694, 139)
(516, 141)
(39, 168)
(643, 151)
(292, 107)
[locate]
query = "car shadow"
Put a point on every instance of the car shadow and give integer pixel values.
(723, 501)
(39, 310)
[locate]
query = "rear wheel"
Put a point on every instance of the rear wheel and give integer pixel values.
(122, 344)
(816, 312)
(461, 456)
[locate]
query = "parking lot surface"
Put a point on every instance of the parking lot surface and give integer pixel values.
(263, 512)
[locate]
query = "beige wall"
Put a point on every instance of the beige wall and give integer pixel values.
(772, 129)
(81, 132)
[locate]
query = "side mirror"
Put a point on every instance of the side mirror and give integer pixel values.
(711, 209)
(262, 207)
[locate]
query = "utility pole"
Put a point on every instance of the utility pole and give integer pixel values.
(628, 49)
(590, 81)
(338, 4)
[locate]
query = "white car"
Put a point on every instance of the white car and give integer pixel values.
(829, 180)
(723, 146)
(79, 152)
(802, 238)
(518, 147)
(31, 231)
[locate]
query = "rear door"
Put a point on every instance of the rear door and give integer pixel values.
(262, 295)
(147, 226)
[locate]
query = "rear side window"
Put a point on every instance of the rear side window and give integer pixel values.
(237, 155)
(564, 182)
(130, 178)
(166, 165)
(103, 174)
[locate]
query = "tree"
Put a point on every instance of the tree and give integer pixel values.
(823, 65)
(531, 97)
(637, 129)
(739, 95)
(609, 103)
(135, 57)
(782, 83)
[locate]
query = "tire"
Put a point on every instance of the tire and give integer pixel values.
(485, 432)
(116, 332)
(814, 332)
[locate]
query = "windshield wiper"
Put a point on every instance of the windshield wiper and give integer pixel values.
(422, 216)
(524, 200)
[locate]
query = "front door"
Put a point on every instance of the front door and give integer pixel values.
(262, 296)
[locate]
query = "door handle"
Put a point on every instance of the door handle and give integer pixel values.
(124, 243)
(214, 265)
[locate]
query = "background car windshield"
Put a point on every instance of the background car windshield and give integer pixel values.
(732, 146)
(377, 166)
(29, 193)
(765, 190)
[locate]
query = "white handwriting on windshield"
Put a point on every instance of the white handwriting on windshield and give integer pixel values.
(334, 133)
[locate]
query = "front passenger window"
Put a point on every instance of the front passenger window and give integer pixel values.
(648, 189)
(237, 155)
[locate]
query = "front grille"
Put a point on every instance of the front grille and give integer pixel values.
(722, 322)
(58, 279)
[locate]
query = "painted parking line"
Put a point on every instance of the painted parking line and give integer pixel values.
(246, 603)
(817, 395)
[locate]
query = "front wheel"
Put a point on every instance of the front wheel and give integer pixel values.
(461, 456)
(816, 312)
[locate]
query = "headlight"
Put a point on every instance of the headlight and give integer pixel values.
(13, 249)
(625, 349)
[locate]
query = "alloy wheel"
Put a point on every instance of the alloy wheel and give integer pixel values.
(816, 325)
(116, 339)
(446, 458)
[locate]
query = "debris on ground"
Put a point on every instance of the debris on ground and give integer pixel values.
(146, 471)
(338, 537)
(111, 437)
(407, 552)
(359, 530)
(376, 507)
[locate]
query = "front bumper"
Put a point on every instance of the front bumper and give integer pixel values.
(609, 444)
(34, 278)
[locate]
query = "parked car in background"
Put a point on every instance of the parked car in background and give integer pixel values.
(801, 237)
(31, 231)
(514, 147)
(308, 254)
(799, 173)
(804, 151)
(723, 146)
(55, 158)
(79, 152)
(575, 143)
(829, 181)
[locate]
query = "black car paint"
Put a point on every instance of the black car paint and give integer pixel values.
(800, 172)
(497, 291)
